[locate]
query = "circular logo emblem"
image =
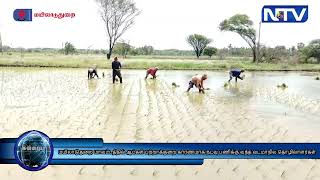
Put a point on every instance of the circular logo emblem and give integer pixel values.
(33, 150)
(21, 14)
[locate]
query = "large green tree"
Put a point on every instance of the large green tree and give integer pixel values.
(145, 50)
(69, 48)
(118, 16)
(312, 50)
(242, 25)
(210, 51)
(122, 48)
(198, 42)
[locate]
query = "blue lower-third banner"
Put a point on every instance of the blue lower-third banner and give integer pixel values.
(34, 151)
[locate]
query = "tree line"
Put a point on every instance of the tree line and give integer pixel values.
(119, 15)
(300, 53)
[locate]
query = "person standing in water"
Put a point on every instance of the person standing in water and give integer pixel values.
(197, 81)
(116, 70)
(236, 73)
(152, 71)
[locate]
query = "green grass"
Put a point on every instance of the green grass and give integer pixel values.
(168, 63)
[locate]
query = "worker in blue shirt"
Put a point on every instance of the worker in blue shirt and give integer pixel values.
(236, 73)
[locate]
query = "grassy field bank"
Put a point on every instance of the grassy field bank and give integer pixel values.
(168, 63)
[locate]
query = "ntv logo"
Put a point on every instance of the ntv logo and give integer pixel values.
(284, 14)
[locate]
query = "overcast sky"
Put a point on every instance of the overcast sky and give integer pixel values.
(163, 24)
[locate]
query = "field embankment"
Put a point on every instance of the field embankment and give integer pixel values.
(143, 62)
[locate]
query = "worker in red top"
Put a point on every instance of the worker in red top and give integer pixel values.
(152, 71)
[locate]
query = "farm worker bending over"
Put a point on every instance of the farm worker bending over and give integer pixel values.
(116, 66)
(92, 72)
(197, 81)
(152, 71)
(236, 73)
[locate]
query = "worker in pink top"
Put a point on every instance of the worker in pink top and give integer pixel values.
(152, 71)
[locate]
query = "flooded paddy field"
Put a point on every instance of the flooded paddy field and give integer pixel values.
(64, 103)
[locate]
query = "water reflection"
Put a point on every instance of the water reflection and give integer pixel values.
(152, 85)
(239, 90)
(232, 88)
(116, 92)
(196, 98)
(92, 85)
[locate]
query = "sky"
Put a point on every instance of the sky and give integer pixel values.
(163, 24)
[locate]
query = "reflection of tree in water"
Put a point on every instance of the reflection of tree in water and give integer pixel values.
(92, 85)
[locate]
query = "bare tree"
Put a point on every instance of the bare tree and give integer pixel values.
(118, 16)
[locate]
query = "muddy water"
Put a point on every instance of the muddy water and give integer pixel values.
(31, 91)
(297, 106)
(63, 103)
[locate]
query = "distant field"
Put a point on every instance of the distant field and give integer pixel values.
(143, 62)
